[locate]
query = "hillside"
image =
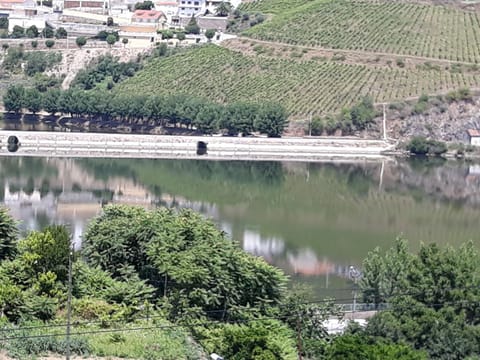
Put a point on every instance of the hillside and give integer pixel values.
(393, 27)
(304, 84)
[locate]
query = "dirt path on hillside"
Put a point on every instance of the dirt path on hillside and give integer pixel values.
(276, 49)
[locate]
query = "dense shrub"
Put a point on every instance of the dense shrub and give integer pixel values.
(101, 68)
(422, 146)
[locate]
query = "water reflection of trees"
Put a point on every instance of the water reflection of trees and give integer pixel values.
(261, 173)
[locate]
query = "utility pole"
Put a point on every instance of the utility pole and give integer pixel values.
(69, 302)
(299, 338)
(384, 122)
(310, 125)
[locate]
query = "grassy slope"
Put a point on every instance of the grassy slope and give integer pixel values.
(378, 26)
(304, 87)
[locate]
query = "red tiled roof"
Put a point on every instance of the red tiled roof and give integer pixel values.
(473, 132)
(147, 14)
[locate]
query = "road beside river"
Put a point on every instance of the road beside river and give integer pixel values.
(69, 144)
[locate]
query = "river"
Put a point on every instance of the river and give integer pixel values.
(313, 220)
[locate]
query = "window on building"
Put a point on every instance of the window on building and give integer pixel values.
(196, 9)
(183, 8)
(195, 3)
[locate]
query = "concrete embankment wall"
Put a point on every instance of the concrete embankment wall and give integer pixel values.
(67, 144)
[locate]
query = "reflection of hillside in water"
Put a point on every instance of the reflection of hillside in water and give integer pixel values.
(298, 216)
(452, 181)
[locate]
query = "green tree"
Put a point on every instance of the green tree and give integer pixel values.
(49, 43)
(18, 32)
(166, 34)
(32, 32)
(34, 44)
(271, 120)
(355, 346)
(81, 41)
(181, 36)
(61, 33)
(419, 145)
(192, 26)
(110, 21)
(48, 32)
(13, 98)
(386, 275)
(183, 255)
(111, 39)
(11, 300)
(432, 296)
(145, 5)
(47, 251)
(124, 42)
(8, 235)
(256, 340)
(209, 34)
(206, 120)
(32, 100)
(50, 101)
(3, 22)
(223, 9)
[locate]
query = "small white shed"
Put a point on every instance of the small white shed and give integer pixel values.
(474, 136)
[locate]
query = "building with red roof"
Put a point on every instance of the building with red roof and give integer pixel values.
(474, 136)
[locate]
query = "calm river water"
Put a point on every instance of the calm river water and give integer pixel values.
(313, 220)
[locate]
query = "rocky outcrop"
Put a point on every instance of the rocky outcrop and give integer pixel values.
(443, 122)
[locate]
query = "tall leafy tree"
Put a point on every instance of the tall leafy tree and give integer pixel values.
(433, 295)
(8, 235)
(13, 99)
(186, 258)
(33, 100)
(223, 9)
(271, 119)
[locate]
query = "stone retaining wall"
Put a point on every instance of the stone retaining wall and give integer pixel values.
(67, 144)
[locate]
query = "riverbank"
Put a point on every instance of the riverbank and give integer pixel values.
(64, 144)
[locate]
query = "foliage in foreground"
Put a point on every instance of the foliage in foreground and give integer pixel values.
(143, 268)
(434, 298)
(188, 261)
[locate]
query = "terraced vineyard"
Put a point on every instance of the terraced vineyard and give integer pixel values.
(441, 32)
(274, 6)
(304, 87)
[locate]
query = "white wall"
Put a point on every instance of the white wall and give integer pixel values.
(475, 141)
(25, 22)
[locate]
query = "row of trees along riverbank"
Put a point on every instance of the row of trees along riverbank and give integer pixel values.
(163, 110)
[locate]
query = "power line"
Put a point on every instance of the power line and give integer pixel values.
(340, 301)
(238, 321)
(76, 324)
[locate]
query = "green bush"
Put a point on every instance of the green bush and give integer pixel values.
(422, 146)
(262, 340)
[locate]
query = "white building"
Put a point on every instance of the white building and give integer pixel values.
(188, 8)
(474, 136)
(169, 8)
